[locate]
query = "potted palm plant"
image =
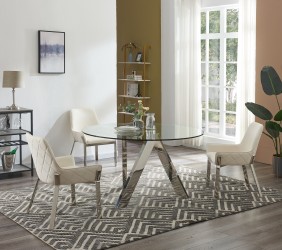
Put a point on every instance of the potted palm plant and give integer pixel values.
(272, 85)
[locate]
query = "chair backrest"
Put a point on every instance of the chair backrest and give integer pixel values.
(43, 158)
(251, 138)
(81, 117)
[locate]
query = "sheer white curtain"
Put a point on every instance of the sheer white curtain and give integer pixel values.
(246, 64)
(184, 67)
(187, 64)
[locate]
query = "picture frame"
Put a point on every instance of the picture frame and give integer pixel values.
(139, 57)
(51, 52)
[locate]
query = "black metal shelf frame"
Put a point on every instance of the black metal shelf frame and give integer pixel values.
(20, 167)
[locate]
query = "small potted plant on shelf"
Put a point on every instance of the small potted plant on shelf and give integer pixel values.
(272, 85)
(130, 107)
(8, 159)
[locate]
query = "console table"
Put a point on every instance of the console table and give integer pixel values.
(15, 133)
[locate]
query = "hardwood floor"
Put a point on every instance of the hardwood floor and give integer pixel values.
(252, 230)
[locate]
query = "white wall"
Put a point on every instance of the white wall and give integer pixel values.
(90, 78)
(168, 61)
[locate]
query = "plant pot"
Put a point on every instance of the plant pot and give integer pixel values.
(277, 165)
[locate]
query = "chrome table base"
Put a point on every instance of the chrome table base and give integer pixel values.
(130, 183)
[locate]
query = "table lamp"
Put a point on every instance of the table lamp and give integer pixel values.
(13, 79)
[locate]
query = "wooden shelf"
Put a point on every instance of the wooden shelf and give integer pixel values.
(131, 80)
(135, 97)
(127, 113)
(136, 63)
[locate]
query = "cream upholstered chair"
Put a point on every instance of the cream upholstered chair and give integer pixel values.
(79, 119)
(235, 154)
(60, 171)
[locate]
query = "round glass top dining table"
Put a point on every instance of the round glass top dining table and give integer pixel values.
(162, 132)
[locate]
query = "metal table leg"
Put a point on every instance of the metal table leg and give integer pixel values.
(132, 180)
(171, 171)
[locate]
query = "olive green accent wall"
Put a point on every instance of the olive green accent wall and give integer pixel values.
(139, 21)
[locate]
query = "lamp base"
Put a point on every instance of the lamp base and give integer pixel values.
(13, 107)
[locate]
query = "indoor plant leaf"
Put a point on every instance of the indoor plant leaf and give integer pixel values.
(259, 111)
(278, 116)
(273, 128)
(270, 80)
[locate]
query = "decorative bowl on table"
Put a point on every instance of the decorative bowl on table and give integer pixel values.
(128, 130)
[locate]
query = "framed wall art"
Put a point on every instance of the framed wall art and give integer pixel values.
(51, 52)
(139, 57)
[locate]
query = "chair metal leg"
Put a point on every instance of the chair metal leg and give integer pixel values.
(246, 176)
(208, 173)
(256, 179)
(216, 189)
(72, 147)
(96, 152)
(98, 196)
(85, 154)
(54, 207)
(115, 153)
(73, 201)
(124, 162)
(33, 195)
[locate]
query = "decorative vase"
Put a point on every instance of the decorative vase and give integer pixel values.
(130, 56)
(277, 165)
(150, 121)
(138, 122)
(8, 161)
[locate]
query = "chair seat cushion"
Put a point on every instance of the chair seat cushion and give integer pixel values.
(77, 174)
(90, 140)
(230, 158)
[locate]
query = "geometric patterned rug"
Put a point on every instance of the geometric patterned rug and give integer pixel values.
(153, 209)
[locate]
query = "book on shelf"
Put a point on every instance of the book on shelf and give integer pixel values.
(134, 77)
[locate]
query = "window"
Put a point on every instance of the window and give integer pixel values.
(219, 48)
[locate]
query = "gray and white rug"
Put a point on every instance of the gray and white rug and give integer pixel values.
(153, 209)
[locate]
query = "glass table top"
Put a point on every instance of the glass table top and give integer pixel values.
(162, 132)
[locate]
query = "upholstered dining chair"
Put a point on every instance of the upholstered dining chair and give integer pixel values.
(242, 154)
(80, 118)
(59, 171)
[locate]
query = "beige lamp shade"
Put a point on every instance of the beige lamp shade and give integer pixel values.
(13, 79)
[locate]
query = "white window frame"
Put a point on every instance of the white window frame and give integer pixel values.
(223, 35)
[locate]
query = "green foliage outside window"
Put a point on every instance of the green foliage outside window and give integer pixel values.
(232, 20)
(203, 23)
(214, 22)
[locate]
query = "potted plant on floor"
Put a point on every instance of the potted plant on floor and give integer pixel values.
(272, 85)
